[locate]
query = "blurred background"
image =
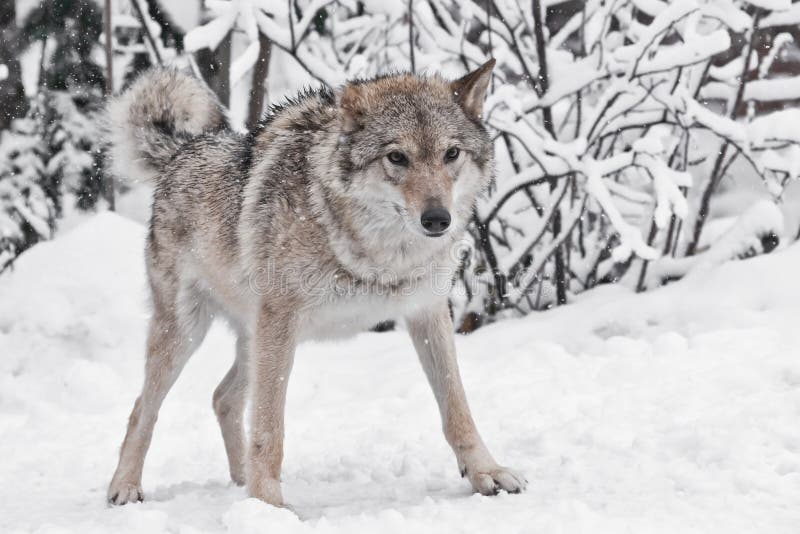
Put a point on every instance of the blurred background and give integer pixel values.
(635, 140)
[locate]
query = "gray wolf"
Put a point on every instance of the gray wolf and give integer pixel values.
(336, 212)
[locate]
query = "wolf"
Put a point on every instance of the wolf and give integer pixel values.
(340, 209)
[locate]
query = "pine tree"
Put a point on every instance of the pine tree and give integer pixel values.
(73, 150)
(28, 203)
(71, 89)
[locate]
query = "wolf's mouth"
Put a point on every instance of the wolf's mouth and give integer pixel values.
(435, 234)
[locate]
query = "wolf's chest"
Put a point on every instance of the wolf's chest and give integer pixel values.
(346, 312)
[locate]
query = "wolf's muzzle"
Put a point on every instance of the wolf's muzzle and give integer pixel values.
(435, 221)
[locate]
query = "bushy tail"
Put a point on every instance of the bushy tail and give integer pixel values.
(155, 116)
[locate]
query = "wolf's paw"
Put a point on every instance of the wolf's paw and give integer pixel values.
(238, 478)
(491, 481)
(237, 475)
(268, 490)
(120, 493)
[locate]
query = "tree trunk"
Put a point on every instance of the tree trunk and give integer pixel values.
(12, 92)
(108, 30)
(561, 269)
(258, 88)
(215, 66)
(704, 209)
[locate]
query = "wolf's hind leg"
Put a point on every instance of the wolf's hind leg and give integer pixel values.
(229, 402)
(177, 328)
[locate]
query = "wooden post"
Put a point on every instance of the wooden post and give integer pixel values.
(109, 51)
(109, 90)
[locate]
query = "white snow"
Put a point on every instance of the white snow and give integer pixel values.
(670, 411)
(212, 33)
(769, 90)
(787, 17)
(776, 5)
(742, 237)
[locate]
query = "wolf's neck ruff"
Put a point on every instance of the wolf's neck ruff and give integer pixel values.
(367, 238)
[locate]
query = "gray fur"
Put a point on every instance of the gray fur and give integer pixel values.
(155, 117)
(301, 229)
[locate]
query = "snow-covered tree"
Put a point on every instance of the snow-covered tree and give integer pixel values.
(74, 152)
(27, 203)
(49, 158)
(601, 130)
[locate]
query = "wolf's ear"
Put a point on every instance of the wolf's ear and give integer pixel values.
(352, 106)
(470, 90)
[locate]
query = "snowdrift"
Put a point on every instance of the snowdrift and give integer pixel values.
(675, 410)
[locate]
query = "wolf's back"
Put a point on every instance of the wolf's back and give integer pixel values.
(155, 117)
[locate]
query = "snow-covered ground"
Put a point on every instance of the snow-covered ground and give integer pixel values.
(673, 411)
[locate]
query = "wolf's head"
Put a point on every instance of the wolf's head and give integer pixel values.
(414, 150)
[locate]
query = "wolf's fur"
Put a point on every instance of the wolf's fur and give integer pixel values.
(301, 229)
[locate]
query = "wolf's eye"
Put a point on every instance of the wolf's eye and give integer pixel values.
(397, 158)
(452, 153)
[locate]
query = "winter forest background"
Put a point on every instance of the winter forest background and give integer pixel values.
(636, 140)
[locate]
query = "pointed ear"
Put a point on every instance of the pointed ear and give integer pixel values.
(470, 90)
(352, 106)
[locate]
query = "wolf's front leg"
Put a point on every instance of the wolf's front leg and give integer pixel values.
(273, 348)
(432, 334)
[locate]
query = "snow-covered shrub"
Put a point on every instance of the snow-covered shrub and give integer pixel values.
(50, 157)
(603, 147)
(27, 207)
(754, 232)
(71, 137)
(615, 120)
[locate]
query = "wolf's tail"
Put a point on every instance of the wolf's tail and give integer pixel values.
(155, 116)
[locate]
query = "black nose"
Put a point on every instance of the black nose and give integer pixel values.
(435, 220)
